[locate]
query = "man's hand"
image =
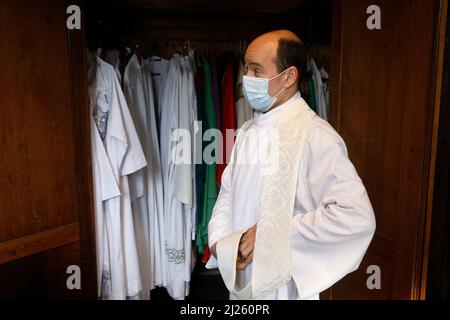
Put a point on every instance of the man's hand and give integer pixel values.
(246, 247)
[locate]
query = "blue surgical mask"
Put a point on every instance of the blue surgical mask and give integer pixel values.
(256, 92)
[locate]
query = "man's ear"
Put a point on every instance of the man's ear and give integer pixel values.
(292, 76)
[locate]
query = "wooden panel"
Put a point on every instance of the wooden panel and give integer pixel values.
(252, 6)
(434, 174)
(38, 242)
(41, 276)
(354, 287)
(438, 282)
(116, 26)
(36, 126)
(383, 106)
(83, 163)
(46, 189)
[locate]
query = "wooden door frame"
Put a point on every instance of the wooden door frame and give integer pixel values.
(423, 234)
(81, 231)
(85, 200)
(440, 47)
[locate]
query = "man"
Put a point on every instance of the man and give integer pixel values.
(292, 217)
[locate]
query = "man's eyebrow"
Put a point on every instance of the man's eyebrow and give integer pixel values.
(255, 64)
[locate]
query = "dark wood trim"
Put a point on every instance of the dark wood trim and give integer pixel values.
(438, 280)
(423, 254)
(39, 242)
(336, 75)
(80, 109)
(336, 64)
(416, 212)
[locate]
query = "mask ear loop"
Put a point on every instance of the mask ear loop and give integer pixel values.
(280, 74)
(284, 88)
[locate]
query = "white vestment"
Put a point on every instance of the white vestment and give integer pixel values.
(113, 58)
(105, 188)
(159, 69)
(155, 195)
(333, 221)
(177, 176)
(139, 181)
(117, 252)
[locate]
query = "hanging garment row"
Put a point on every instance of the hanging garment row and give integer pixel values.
(152, 211)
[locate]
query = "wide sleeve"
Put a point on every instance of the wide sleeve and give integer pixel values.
(220, 225)
(123, 126)
(329, 241)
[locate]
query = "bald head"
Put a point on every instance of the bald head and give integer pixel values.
(273, 53)
(272, 38)
(267, 44)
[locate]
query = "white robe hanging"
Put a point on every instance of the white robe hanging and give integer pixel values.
(139, 181)
(155, 196)
(120, 266)
(191, 208)
(169, 105)
(333, 220)
(159, 68)
(105, 188)
(196, 145)
(113, 58)
(178, 177)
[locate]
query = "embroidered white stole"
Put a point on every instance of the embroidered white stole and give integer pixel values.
(272, 267)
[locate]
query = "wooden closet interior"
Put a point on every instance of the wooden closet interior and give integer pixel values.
(386, 89)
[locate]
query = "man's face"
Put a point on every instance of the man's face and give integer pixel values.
(260, 62)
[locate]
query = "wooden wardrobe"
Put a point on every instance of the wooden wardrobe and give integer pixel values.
(385, 102)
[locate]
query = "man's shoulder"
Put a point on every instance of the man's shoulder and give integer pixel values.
(319, 124)
(322, 134)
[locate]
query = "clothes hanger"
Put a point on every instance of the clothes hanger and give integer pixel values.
(138, 53)
(126, 53)
(185, 49)
(180, 47)
(156, 51)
